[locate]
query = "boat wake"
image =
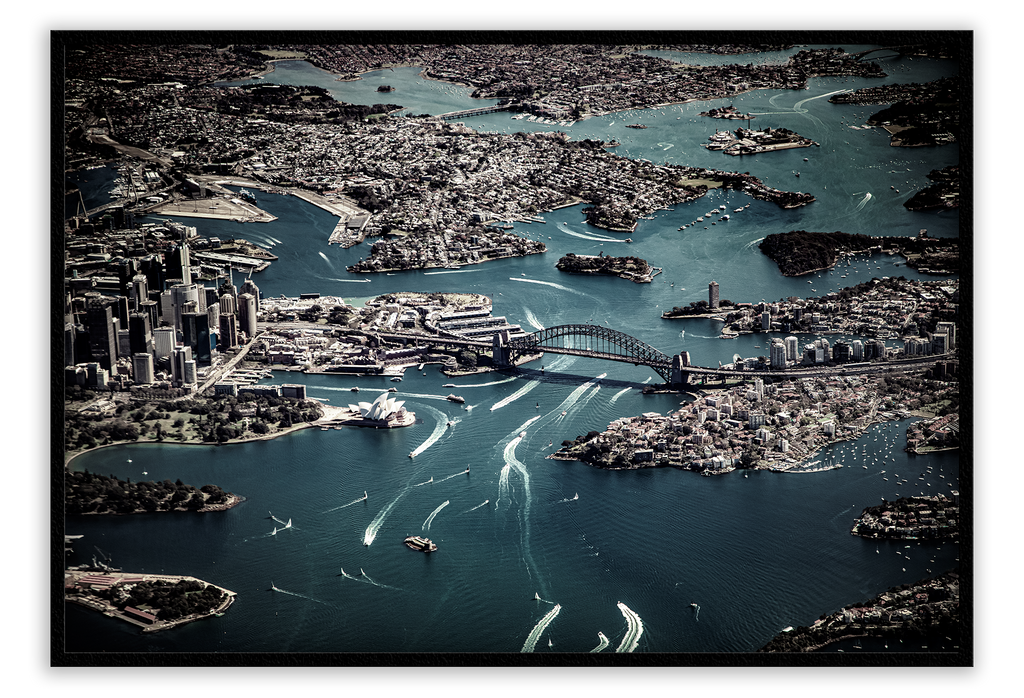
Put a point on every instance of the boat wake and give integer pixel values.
(326, 259)
(530, 385)
(484, 385)
(617, 395)
(430, 519)
(483, 503)
(864, 201)
(354, 501)
(454, 271)
(532, 319)
(602, 643)
(504, 489)
(425, 482)
(449, 477)
(365, 579)
(549, 283)
(349, 281)
(378, 521)
(303, 596)
(587, 237)
(538, 630)
(634, 629)
(439, 429)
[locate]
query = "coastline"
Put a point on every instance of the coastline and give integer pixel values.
(70, 456)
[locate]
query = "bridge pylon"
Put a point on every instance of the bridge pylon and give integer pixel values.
(501, 355)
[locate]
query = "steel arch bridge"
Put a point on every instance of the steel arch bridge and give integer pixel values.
(593, 341)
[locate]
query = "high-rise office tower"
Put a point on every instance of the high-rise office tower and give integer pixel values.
(227, 304)
(247, 315)
(178, 358)
(102, 333)
(163, 341)
(140, 333)
(228, 337)
(142, 368)
(713, 294)
(250, 287)
(139, 291)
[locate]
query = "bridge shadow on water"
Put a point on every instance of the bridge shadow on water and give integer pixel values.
(574, 379)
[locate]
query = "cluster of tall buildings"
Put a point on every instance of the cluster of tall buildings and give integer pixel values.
(157, 324)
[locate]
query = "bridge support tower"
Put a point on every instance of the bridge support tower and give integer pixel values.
(501, 355)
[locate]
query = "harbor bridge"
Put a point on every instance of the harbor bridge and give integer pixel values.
(599, 342)
(452, 115)
(594, 341)
(861, 54)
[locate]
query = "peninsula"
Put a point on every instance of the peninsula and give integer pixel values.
(153, 602)
(89, 493)
(910, 518)
(943, 194)
(926, 608)
(800, 252)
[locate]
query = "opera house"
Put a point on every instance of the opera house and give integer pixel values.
(385, 411)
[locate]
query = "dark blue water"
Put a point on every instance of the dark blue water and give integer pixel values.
(757, 553)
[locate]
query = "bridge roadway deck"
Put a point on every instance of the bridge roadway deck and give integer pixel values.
(701, 371)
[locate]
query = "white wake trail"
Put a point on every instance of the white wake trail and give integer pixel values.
(439, 428)
(459, 271)
(864, 201)
(430, 519)
(326, 259)
(530, 385)
(532, 319)
(483, 503)
(538, 630)
(617, 395)
(356, 501)
(603, 642)
(504, 489)
(484, 385)
(378, 521)
(634, 629)
(548, 283)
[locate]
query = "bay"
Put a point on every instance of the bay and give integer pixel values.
(757, 553)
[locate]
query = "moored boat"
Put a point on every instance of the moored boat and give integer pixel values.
(455, 398)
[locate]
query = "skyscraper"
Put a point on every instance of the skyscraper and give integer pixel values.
(142, 368)
(228, 331)
(250, 287)
(713, 294)
(102, 333)
(247, 315)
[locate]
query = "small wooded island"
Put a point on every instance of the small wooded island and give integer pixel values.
(910, 518)
(633, 268)
(800, 252)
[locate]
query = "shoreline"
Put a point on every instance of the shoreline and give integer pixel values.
(70, 456)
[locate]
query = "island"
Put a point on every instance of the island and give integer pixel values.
(926, 608)
(800, 252)
(749, 142)
(729, 112)
(152, 602)
(632, 268)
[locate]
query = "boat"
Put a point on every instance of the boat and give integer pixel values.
(424, 545)
(455, 398)
(448, 385)
(396, 379)
(392, 390)
(522, 435)
(629, 239)
(355, 389)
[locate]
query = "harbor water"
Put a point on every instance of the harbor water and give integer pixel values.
(519, 535)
